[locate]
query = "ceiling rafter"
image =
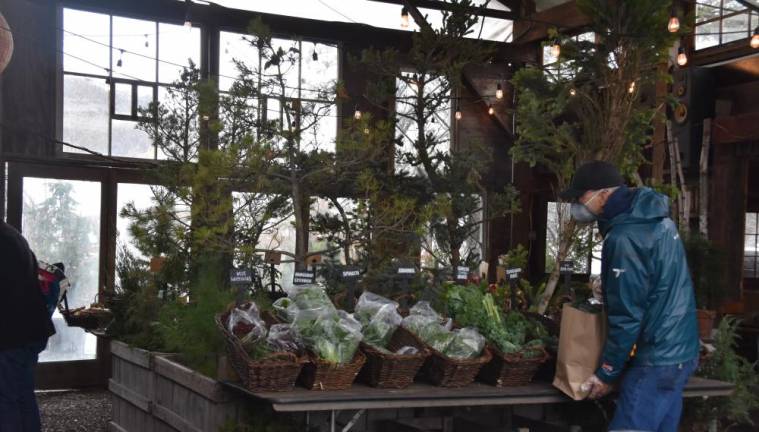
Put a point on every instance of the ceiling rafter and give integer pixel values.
(439, 5)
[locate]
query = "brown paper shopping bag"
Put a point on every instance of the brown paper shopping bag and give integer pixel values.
(581, 342)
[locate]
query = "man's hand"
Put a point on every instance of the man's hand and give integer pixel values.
(596, 388)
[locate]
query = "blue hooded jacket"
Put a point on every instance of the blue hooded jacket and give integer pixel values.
(647, 288)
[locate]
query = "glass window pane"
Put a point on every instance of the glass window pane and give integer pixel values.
(707, 35)
(86, 35)
(318, 77)
(707, 9)
(123, 99)
(288, 68)
(144, 97)
(751, 223)
(140, 196)
(234, 47)
(177, 47)
(127, 141)
(137, 61)
(61, 221)
(320, 126)
(85, 113)
(735, 28)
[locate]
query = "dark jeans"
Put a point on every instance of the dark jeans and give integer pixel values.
(651, 398)
(18, 405)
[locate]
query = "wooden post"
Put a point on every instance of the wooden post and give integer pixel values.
(703, 180)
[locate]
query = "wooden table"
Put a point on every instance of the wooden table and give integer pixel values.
(419, 395)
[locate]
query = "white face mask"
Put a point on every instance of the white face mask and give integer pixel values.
(581, 213)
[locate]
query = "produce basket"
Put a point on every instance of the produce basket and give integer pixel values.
(509, 370)
(276, 372)
(318, 374)
(387, 370)
(91, 318)
(445, 371)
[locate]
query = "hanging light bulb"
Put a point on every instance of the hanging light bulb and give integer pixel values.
(366, 131)
(404, 17)
(187, 20)
(556, 49)
(682, 58)
(147, 44)
(631, 89)
(491, 110)
(572, 92)
(433, 119)
(674, 23)
(120, 62)
(458, 112)
(755, 39)
(314, 55)
(357, 114)
(499, 91)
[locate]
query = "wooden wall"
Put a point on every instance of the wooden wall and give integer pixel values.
(27, 86)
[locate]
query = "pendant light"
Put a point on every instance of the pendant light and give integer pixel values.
(499, 91)
(682, 58)
(404, 18)
(755, 39)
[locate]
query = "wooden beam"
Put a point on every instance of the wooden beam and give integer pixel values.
(420, 20)
(565, 16)
(723, 53)
(735, 129)
(439, 5)
(483, 81)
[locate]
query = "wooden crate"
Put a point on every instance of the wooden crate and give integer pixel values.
(189, 401)
(131, 386)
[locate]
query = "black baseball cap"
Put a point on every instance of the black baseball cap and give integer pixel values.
(594, 175)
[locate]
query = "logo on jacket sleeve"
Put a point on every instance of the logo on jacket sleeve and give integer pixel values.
(618, 272)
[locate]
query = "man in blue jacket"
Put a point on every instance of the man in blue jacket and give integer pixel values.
(24, 329)
(648, 296)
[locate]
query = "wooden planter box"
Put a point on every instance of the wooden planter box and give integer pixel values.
(131, 386)
(153, 393)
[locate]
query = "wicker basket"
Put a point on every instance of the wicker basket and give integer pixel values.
(277, 372)
(318, 374)
(444, 371)
(85, 318)
(396, 371)
(509, 370)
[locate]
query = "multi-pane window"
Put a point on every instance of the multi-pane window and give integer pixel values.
(112, 67)
(437, 122)
(585, 250)
(751, 247)
(471, 249)
(721, 21)
(306, 87)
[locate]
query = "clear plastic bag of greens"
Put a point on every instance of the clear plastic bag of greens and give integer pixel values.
(429, 330)
(424, 308)
(369, 304)
(382, 325)
(349, 320)
(282, 338)
(285, 309)
(245, 322)
(312, 297)
(467, 343)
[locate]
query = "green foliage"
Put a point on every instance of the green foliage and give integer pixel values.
(447, 185)
(725, 364)
(136, 305)
(706, 264)
(513, 333)
(189, 329)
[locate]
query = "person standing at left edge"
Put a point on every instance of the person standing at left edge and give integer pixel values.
(25, 326)
(648, 295)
